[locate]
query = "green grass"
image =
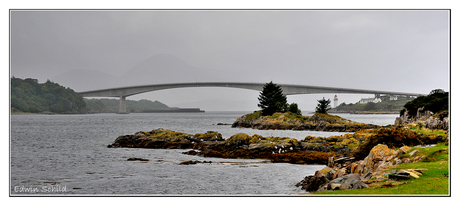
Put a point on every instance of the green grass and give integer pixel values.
(435, 181)
(427, 131)
(254, 115)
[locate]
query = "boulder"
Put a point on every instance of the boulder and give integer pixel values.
(366, 176)
(324, 172)
(340, 173)
(403, 150)
(376, 159)
(350, 181)
(312, 183)
(413, 153)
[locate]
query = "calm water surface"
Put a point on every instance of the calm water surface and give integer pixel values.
(68, 155)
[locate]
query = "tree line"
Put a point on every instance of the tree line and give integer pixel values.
(271, 100)
(27, 95)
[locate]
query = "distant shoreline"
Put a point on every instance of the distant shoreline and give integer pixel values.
(178, 110)
(363, 112)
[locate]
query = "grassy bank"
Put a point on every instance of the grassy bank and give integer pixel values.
(434, 181)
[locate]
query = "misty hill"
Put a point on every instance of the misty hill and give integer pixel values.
(27, 95)
(158, 69)
(83, 79)
(111, 105)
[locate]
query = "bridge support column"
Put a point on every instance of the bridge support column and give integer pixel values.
(122, 107)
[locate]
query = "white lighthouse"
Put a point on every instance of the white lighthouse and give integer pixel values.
(336, 101)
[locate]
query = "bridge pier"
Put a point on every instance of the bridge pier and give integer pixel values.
(122, 107)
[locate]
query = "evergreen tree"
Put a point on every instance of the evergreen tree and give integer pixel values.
(323, 106)
(294, 108)
(272, 99)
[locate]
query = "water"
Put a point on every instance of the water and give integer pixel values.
(68, 155)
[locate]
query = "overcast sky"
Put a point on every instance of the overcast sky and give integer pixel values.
(389, 50)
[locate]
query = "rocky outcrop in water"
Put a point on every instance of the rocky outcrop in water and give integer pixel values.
(311, 150)
(166, 139)
(286, 121)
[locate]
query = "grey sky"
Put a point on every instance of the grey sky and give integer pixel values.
(394, 50)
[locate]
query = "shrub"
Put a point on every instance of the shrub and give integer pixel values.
(294, 108)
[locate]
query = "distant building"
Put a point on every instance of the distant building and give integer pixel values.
(367, 100)
(336, 101)
(393, 97)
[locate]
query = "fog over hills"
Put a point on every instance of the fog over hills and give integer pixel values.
(158, 69)
(388, 50)
(84, 79)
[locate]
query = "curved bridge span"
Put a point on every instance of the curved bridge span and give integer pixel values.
(288, 89)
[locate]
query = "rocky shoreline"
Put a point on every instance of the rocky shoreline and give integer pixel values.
(347, 167)
(347, 173)
(353, 160)
(286, 121)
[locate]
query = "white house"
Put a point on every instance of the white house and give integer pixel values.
(367, 100)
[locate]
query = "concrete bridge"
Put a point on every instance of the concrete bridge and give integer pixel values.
(288, 89)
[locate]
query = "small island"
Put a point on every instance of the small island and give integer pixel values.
(291, 121)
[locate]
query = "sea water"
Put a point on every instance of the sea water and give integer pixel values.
(68, 155)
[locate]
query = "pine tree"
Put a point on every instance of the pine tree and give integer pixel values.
(272, 99)
(323, 106)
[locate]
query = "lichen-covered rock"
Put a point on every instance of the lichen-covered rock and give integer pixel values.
(208, 136)
(240, 139)
(375, 159)
(317, 122)
(163, 138)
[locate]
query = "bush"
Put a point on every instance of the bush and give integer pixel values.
(294, 108)
(370, 106)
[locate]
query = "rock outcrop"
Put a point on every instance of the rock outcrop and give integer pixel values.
(347, 173)
(317, 122)
(311, 150)
(165, 139)
(425, 118)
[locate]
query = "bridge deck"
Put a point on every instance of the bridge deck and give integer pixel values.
(288, 89)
